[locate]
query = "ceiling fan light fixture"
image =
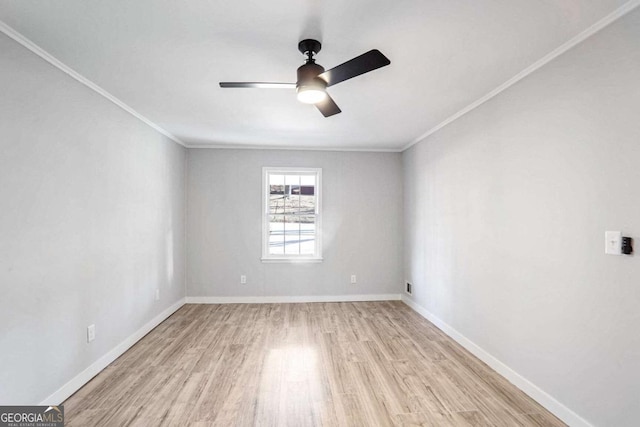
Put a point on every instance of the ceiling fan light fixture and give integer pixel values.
(313, 80)
(311, 94)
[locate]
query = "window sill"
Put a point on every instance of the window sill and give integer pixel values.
(291, 260)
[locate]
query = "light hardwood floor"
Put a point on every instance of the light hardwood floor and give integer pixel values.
(324, 364)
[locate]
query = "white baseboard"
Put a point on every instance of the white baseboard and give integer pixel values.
(533, 391)
(94, 369)
(289, 299)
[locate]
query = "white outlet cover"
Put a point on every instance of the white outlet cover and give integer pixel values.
(91, 333)
(613, 242)
(243, 279)
(353, 279)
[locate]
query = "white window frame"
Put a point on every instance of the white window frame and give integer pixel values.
(266, 256)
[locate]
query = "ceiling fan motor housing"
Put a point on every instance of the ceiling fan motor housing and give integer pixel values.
(308, 75)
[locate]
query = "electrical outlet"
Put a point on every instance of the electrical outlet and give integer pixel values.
(353, 279)
(91, 333)
(157, 294)
(243, 279)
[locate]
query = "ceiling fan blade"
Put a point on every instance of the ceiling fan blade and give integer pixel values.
(258, 85)
(364, 63)
(328, 107)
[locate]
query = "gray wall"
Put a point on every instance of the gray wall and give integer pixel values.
(362, 224)
(505, 214)
(91, 223)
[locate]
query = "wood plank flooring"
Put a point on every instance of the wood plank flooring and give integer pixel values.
(319, 364)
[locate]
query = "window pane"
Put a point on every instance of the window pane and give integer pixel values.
(276, 203)
(291, 236)
(308, 180)
(290, 204)
(307, 194)
(276, 234)
(307, 235)
(292, 191)
(276, 194)
(307, 201)
(275, 179)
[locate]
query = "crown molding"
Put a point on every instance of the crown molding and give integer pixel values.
(286, 148)
(25, 42)
(593, 29)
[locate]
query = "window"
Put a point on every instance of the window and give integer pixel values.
(291, 214)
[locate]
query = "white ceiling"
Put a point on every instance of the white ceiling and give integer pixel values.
(164, 59)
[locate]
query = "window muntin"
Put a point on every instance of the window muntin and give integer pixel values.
(291, 214)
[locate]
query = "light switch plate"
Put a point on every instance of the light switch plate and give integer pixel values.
(613, 242)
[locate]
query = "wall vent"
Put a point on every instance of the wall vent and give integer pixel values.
(409, 288)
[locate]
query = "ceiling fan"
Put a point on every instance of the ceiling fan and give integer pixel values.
(313, 80)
